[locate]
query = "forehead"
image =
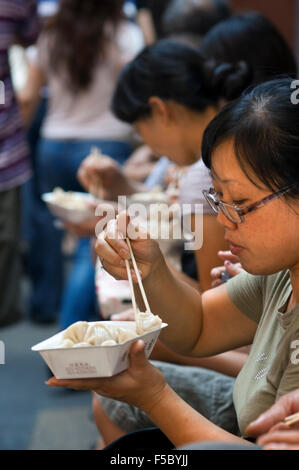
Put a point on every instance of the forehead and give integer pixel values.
(225, 168)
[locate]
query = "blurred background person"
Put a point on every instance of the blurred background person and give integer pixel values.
(80, 74)
(18, 23)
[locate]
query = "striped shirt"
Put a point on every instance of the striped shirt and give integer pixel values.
(18, 22)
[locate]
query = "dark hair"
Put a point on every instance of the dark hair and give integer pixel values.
(174, 71)
(196, 18)
(253, 38)
(264, 126)
(244, 50)
(79, 37)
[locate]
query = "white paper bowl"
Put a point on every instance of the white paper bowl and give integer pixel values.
(74, 216)
(93, 361)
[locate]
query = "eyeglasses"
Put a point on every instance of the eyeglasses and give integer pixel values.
(234, 213)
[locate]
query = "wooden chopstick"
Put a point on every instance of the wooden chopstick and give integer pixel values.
(138, 277)
(95, 187)
(132, 289)
(292, 419)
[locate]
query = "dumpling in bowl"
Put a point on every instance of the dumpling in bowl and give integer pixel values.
(146, 321)
(75, 334)
(124, 334)
(82, 333)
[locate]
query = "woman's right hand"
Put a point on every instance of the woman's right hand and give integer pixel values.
(102, 173)
(112, 249)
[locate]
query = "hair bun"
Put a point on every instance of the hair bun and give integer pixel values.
(226, 80)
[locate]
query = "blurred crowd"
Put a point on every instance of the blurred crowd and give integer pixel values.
(123, 98)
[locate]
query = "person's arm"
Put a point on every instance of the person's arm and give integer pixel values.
(193, 320)
(228, 363)
(146, 24)
(144, 386)
(183, 425)
(199, 317)
(30, 95)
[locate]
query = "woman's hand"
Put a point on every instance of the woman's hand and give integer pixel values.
(112, 249)
(141, 385)
(280, 437)
(103, 175)
(273, 433)
(232, 266)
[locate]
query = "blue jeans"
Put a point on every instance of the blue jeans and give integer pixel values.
(57, 164)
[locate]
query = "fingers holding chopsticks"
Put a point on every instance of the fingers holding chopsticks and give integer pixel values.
(113, 250)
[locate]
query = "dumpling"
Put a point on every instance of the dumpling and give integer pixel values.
(84, 334)
(99, 334)
(124, 334)
(146, 321)
(67, 343)
(109, 342)
(87, 334)
(76, 332)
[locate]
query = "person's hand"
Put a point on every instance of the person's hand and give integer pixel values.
(270, 427)
(112, 249)
(232, 266)
(102, 175)
(141, 385)
(280, 437)
(127, 315)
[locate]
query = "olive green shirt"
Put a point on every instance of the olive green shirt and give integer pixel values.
(272, 368)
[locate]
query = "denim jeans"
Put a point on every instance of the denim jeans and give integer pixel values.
(57, 163)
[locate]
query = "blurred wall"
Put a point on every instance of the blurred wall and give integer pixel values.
(283, 13)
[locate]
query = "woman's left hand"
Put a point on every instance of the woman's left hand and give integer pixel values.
(141, 385)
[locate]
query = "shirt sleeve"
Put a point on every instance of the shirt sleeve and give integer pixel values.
(246, 292)
(29, 26)
(195, 180)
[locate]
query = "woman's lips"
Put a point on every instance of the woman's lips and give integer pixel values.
(235, 249)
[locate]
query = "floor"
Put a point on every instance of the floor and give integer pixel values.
(33, 415)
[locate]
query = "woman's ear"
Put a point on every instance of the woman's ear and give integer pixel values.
(160, 110)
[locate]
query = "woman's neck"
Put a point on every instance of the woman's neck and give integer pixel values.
(196, 125)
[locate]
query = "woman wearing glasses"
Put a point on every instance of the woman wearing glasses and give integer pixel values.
(251, 148)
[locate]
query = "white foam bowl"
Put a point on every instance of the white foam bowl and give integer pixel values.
(92, 361)
(74, 216)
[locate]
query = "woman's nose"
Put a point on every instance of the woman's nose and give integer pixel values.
(223, 220)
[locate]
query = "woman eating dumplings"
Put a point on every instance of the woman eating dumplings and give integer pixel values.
(251, 148)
